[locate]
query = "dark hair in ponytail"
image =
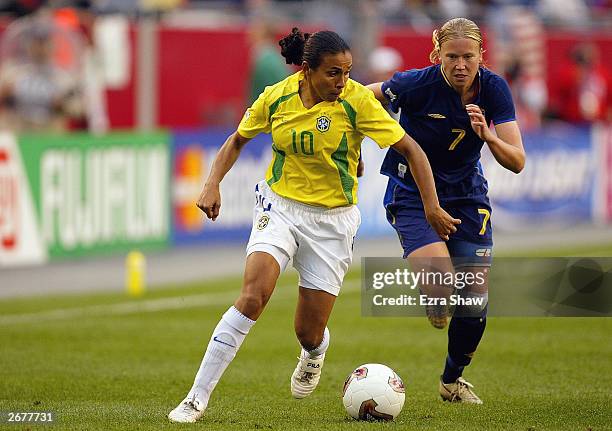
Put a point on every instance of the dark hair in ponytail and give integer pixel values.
(297, 47)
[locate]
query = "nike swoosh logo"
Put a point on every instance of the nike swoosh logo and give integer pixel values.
(222, 342)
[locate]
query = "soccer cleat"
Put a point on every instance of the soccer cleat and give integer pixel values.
(459, 392)
(306, 376)
(189, 411)
(437, 315)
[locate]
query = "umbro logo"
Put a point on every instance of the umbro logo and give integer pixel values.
(391, 95)
(439, 116)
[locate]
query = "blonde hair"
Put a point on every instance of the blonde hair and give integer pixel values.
(456, 28)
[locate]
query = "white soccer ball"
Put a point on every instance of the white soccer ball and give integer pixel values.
(373, 392)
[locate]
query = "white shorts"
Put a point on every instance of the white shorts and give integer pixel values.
(319, 240)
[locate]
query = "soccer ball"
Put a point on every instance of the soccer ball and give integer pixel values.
(373, 392)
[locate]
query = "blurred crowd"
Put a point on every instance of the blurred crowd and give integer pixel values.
(425, 13)
(59, 57)
(50, 76)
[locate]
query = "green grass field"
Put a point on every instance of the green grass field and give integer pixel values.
(106, 362)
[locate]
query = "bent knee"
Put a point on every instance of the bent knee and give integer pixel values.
(475, 305)
(252, 304)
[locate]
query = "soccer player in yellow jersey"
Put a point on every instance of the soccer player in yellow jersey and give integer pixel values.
(305, 209)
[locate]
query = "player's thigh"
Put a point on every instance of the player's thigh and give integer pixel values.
(413, 230)
(471, 251)
(431, 257)
(475, 228)
(325, 249)
(269, 249)
(472, 247)
(272, 225)
(433, 261)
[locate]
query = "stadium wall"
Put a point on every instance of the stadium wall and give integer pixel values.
(189, 64)
(70, 196)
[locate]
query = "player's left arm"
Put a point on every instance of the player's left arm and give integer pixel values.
(377, 124)
(442, 222)
(505, 144)
(376, 88)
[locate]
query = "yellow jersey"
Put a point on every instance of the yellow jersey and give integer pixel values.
(316, 151)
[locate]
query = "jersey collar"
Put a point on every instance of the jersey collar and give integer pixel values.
(444, 76)
(297, 77)
(295, 86)
(478, 75)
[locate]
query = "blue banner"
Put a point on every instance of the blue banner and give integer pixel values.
(193, 154)
(557, 186)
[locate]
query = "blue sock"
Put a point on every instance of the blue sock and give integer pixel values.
(464, 334)
(452, 371)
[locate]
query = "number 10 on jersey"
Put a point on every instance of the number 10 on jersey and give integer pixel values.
(306, 142)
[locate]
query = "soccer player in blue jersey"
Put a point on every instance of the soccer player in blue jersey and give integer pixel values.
(447, 108)
(305, 208)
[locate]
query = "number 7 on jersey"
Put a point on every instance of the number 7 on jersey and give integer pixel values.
(459, 138)
(485, 219)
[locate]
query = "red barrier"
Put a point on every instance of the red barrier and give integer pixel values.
(203, 74)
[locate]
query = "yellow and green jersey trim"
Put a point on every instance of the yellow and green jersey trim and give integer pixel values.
(316, 151)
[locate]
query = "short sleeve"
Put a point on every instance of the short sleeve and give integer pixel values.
(376, 123)
(395, 90)
(502, 106)
(256, 119)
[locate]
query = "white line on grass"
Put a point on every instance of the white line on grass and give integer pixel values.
(142, 306)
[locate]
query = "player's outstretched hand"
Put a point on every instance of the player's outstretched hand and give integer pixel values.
(442, 222)
(478, 122)
(210, 201)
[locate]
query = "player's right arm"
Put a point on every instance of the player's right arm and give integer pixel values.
(256, 120)
(210, 197)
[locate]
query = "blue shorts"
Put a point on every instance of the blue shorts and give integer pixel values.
(474, 236)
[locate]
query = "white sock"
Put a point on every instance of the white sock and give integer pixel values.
(222, 348)
(321, 348)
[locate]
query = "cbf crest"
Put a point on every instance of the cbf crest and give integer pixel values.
(323, 123)
(263, 221)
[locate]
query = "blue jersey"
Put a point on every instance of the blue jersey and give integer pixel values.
(433, 114)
